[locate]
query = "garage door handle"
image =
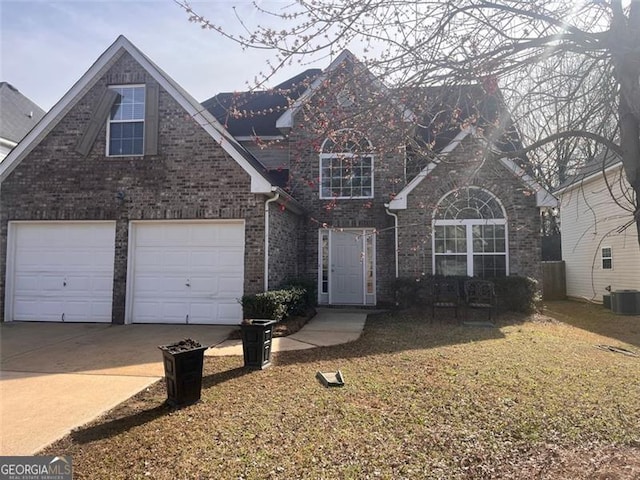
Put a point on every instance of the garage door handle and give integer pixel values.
(188, 284)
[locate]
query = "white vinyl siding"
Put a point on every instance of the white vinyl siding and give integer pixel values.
(590, 220)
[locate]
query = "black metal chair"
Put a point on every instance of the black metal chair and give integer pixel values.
(445, 294)
(480, 294)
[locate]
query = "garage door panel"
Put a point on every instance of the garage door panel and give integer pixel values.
(203, 259)
(182, 272)
(44, 310)
(76, 311)
(62, 271)
(171, 286)
(231, 237)
(147, 312)
(230, 286)
(229, 311)
(231, 258)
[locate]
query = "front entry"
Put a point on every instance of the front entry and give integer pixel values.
(347, 267)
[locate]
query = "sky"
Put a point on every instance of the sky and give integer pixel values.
(47, 45)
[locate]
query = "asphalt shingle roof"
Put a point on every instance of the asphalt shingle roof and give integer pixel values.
(18, 114)
(255, 113)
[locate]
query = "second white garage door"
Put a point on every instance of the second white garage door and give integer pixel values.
(186, 272)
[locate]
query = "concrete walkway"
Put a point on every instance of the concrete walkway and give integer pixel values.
(55, 377)
(328, 327)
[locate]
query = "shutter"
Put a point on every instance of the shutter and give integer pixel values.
(97, 121)
(151, 120)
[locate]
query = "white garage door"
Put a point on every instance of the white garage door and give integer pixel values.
(186, 272)
(60, 271)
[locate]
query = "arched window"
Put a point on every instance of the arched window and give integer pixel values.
(470, 235)
(346, 166)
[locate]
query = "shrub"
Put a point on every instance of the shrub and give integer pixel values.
(518, 294)
(515, 293)
(310, 291)
(406, 291)
(274, 304)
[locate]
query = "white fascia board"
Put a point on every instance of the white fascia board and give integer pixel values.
(400, 200)
(253, 138)
(285, 120)
(581, 181)
(259, 184)
(53, 116)
(544, 198)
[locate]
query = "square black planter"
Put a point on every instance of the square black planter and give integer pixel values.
(256, 342)
(183, 362)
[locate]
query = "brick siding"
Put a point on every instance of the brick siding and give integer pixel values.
(463, 168)
(190, 178)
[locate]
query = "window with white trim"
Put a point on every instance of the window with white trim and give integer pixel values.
(346, 166)
(125, 132)
(324, 239)
(607, 258)
(470, 235)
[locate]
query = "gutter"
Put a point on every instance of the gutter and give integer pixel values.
(274, 198)
(395, 232)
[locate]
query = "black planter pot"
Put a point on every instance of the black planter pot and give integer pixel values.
(183, 363)
(256, 343)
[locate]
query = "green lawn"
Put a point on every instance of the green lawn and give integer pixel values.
(533, 398)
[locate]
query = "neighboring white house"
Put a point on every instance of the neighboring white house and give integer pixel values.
(595, 206)
(18, 115)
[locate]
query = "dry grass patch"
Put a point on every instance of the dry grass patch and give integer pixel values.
(533, 398)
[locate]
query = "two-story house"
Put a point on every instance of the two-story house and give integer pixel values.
(131, 202)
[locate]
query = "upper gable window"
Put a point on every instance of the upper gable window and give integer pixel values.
(346, 166)
(125, 133)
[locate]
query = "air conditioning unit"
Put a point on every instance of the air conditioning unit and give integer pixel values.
(625, 302)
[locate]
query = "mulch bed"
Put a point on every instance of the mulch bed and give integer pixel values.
(284, 328)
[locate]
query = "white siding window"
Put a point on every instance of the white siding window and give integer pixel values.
(607, 258)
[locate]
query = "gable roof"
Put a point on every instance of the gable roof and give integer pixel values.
(543, 197)
(286, 120)
(18, 114)
(594, 167)
(254, 113)
(260, 183)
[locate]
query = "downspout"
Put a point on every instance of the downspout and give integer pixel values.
(275, 197)
(395, 233)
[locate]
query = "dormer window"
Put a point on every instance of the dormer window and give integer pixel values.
(346, 166)
(125, 132)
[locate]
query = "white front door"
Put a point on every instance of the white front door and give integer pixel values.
(186, 272)
(347, 267)
(347, 272)
(60, 271)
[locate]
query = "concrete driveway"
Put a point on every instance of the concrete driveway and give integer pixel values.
(55, 377)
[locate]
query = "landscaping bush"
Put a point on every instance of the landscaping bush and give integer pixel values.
(406, 291)
(518, 294)
(274, 304)
(515, 293)
(310, 298)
